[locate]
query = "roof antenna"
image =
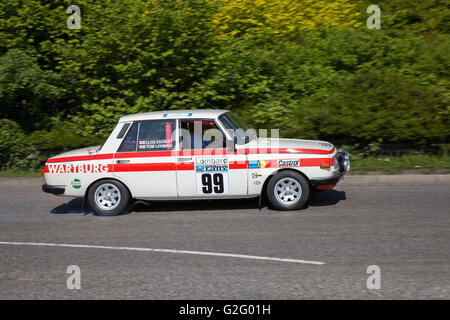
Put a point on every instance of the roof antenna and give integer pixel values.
(212, 105)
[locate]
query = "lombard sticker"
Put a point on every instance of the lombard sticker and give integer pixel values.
(213, 164)
(289, 163)
(78, 168)
(76, 183)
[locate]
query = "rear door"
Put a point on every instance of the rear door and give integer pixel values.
(205, 168)
(145, 160)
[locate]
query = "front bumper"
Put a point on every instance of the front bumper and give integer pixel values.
(342, 164)
(57, 190)
(327, 182)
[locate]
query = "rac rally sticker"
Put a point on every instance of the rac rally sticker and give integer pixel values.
(76, 183)
(289, 163)
(78, 168)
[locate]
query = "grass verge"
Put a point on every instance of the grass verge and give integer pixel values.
(20, 173)
(395, 164)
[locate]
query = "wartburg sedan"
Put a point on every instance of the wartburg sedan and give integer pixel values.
(195, 154)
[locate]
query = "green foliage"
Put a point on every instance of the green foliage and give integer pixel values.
(16, 152)
(26, 91)
(139, 61)
(389, 107)
(325, 79)
(63, 135)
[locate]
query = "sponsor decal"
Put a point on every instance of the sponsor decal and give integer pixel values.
(76, 183)
(256, 175)
(78, 168)
(253, 164)
(325, 145)
(256, 164)
(211, 175)
(212, 164)
(200, 169)
(257, 182)
(289, 163)
(177, 115)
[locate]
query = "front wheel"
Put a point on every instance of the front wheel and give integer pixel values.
(108, 197)
(288, 190)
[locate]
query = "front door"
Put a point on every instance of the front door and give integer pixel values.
(205, 168)
(145, 160)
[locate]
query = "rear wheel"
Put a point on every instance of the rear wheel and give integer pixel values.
(288, 190)
(108, 197)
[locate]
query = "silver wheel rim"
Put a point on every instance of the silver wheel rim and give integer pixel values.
(107, 196)
(287, 191)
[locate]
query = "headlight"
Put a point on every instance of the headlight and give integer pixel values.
(344, 161)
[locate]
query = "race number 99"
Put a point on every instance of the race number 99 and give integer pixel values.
(213, 183)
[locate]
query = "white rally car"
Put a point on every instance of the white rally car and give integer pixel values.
(195, 154)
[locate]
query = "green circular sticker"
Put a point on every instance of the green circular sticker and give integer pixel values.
(76, 183)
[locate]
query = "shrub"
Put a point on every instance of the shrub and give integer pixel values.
(16, 151)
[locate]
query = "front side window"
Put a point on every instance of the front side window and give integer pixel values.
(156, 135)
(200, 134)
(237, 127)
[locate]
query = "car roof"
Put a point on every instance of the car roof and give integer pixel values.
(174, 114)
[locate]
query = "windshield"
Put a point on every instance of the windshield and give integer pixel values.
(239, 128)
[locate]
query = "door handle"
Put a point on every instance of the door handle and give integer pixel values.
(184, 159)
(122, 161)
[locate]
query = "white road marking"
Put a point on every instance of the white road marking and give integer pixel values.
(202, 253)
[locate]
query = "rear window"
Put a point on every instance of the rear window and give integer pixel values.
(156, 135)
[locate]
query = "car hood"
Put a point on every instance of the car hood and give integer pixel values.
(286, 144)
(79, 152)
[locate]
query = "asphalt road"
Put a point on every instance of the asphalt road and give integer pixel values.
(399, 223)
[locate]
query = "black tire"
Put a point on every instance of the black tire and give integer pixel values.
(287, 178)
(111, 186)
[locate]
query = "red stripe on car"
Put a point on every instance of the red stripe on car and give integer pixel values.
(136, 167)
(205, 152)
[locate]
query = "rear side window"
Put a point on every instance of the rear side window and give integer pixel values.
(156, 135)
(130, 141)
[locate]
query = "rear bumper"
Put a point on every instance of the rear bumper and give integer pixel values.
(53, 189)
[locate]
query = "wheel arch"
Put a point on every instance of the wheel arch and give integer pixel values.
(273, 174)
(86, 194)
